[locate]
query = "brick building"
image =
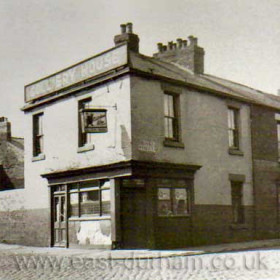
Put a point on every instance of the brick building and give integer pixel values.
(130, 151)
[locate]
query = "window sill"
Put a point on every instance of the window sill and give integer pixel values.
(239, 226)
(174, 216)
(235, 152)
(92, 218)
(174, 144)
(39, 157)
(86, 148)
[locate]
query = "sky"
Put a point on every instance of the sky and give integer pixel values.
(241, 38)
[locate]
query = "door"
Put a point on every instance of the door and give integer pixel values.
(59, 220)
(133, 218)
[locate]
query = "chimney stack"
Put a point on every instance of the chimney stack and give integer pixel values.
(5, 129)
(127, 36)
(189, 55)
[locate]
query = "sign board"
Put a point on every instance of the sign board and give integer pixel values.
(94, 121)
(91, 67)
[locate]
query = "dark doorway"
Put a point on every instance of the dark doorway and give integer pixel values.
(133, 218)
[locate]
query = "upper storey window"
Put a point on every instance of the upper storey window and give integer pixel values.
(171, 121)
(233, 128)
(38, 135)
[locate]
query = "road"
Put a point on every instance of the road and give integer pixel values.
(254, 264)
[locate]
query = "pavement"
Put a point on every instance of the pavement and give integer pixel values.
(256, 260)
(141, 253)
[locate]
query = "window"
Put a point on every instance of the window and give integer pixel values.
(233, 129)
(173, 200)
(90, 121)
(89, 199)
(278, 137)
(171, 121)
(38, 136)
(84, 137)
(237, 203)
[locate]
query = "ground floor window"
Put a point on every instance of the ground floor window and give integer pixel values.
(173, 198)
(237, 202)
(89, 199)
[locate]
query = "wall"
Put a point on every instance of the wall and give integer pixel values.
(266, 170)
(205, 139)
(21, 226)
(60, 124)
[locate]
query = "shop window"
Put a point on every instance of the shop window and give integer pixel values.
(237, 202)
(173, 201)
(171, 116)
(38, 136)
(89, 199)
(233, 128)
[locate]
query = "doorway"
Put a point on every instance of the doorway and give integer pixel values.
(133, 218)
(59, 220)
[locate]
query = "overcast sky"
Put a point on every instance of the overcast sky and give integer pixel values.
(241, 38)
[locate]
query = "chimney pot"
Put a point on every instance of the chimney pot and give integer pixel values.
(179, 43)
(129, 27)
(193, 40)
(164, 48)
(160, 47)
(126, 36)
(185, 43)
(123, 28)
(170, 45)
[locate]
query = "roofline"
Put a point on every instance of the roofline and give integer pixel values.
(117, 73)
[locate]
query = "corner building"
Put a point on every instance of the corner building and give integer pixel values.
(123, 150)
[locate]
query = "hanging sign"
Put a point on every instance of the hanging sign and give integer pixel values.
(94, 121)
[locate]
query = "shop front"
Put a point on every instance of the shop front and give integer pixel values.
(125, 205)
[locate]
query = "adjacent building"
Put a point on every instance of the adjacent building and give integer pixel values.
(124, 150)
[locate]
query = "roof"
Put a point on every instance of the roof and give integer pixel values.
(159, 69)
(155, 66)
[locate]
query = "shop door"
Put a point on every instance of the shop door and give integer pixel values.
(59, 220)
(133, 217)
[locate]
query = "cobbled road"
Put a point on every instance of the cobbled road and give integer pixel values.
(257, 264)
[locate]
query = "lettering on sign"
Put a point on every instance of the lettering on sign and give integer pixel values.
(147, 146)
(80, 72)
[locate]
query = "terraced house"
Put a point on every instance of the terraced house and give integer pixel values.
(125, 150)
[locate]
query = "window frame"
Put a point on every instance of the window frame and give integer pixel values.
(82, 136)
(38, 135)
(235, 130)
(176, 134)
(79, 190)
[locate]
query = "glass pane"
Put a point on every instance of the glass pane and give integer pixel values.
(40, 124)
(166, 105)
(56, 209)
(171, 106)
(89, 184)
(180, 202)
(164, 202)
(62, 209)
(231, 138)
(231, 123)
(90, 203)
(105, 196)
(166, 128)
(74, 204)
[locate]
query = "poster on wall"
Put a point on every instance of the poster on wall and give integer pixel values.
(94, 121)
